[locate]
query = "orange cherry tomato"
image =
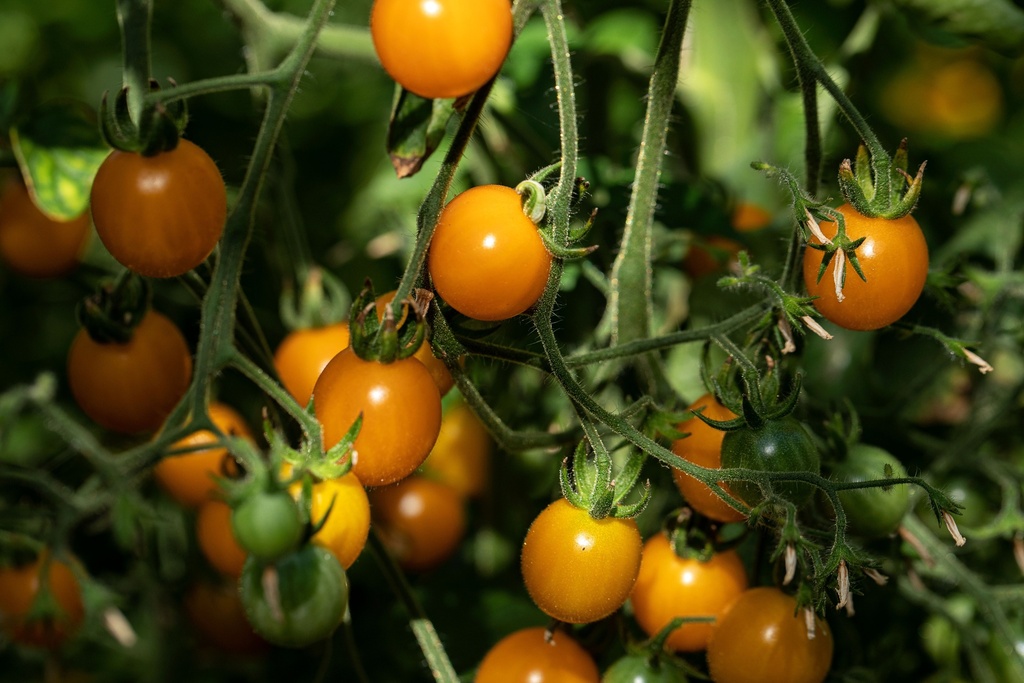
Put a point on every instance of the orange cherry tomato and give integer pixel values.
(576, 568)
(217, 540)
(710, 255)
(159, 215)
(894, 258)
(749, 217)
(486, 258)
(401, 411)
(762, 639)
(670, 586)
(19, 588)
(703, 447)
(34, 244)
(304, 354)
(421, 521)
(189, 478)
(441, 48)
(346, 529)
(527, 656)
(461, 456)
(215, 611)
(131, 387)
(434, 365)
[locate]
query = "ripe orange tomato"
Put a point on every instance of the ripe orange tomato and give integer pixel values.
(34, 244)
(486, 258)
(401, 410)
(217, 540)
(576, 568)
(216, 613)
(670, 586)
(189, 478)
(749, 217)
(461, 456)
(762, 639)
(303, 355)
(526, 657)
(19, 587)
(434, 365)
(131, 387)
(345, 531)
(441, 48)
(703, 447)
(160, 215)
(894, 258)
(421, 521)
(710, 255)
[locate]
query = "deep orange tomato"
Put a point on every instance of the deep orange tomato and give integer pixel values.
(190, 478)
(762, 639)
(216, 612)
(710, 255)
(131, 387)
(19, 587)
(345, 531)
(576, 568)
(434, 365)
(703, 447)
(161, 215)
(461, 456)
(670, 586)
(441, 48)
(304, 354)
(401, 410)
(526, 657)
(34, 244)
(894, 258)
(486, 258)
(217, 540)
(420, 520)
(749, 217)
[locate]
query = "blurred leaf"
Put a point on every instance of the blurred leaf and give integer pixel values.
(9, 92)
(416, 128)
(998, 23)
(59, 149)
(629, 34)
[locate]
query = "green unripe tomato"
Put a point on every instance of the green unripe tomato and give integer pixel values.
(873, 512)
(312, 595)
(638, 668)
(782, 445)
(267, 525)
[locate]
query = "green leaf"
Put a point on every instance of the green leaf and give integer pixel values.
(59, 149)
(416, 129)
(997, 23)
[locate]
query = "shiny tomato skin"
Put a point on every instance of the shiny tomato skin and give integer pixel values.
(670, 586)
(894, 258)
(486, 257)
(32, 243)
(160, 215)
(131, 387)
(441, 48)
(461, 456)
(216, 613)
(216, 539)
(304, 353)
(19, 587)
(762, 639)
(703, 447)
(189, 478)
(637, 668)
(781, 445)
(526, 657)
(421, 521)
(348, 526)
(576, 568)
(401, 410)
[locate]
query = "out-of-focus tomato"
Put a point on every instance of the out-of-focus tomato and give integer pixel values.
(216, 613)
(216, 539)
(421, 521)
(303, 355)
(461, 456)
(19, 588)
(34, 244)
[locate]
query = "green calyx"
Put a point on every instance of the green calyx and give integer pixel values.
(840, 244)
(881, 187)
(376, 335)
(754, 410)
(587, 482)
(322, 301)
(111, 314)
(157, 130)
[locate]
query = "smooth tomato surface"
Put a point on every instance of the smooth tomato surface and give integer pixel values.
(762, 639)
(216, 613)
(34, 244)
(576, 568)
(189, 478)
(19, 587)
(401, 410)
(216, 539)
(131, 387)
(526, 657)
(303, 355)
(267, 524)
(162, 215)
(461, 457)
(782, 445)
(670, 586)
(872, 512)
(703, 447)
(421, 521)
(441, 48)
(894, 258)
(346, 529)
(486, 258)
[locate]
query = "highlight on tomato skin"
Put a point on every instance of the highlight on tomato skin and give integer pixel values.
(422, 521)
(531, 655)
